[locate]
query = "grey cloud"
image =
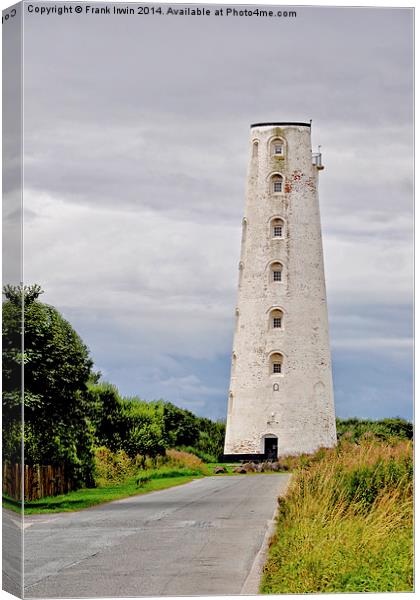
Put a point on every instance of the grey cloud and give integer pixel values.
(136, 136)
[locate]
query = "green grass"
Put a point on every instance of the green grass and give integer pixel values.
(168, 472)
(346, 524)
(87, 497)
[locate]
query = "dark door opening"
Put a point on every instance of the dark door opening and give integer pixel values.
(270, 448)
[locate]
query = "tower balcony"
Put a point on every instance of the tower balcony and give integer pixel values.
(317, 160)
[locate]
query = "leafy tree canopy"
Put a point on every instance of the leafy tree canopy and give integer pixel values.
(57, 367)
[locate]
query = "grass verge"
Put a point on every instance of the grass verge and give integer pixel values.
(84, 498)
(345, 524)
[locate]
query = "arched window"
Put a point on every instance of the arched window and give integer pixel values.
(277, 183)
(277, 147)
(276, 319)
(241, 272)
(230, 403)
(244, 229)
(276, 363)
(277, 228)
(234, 359)
(276, 272)
(276, 387)
(255, 149)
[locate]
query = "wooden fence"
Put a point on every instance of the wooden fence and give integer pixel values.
(39, 481)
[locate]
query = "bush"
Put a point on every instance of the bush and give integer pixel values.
(185, 431)
(356, 429)
(128, 424)
(113, 467)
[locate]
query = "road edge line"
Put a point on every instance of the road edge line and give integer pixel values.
(252, 582)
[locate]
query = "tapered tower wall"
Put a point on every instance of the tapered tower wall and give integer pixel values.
(295, 405)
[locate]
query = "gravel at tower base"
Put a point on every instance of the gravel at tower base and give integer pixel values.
(281, 398)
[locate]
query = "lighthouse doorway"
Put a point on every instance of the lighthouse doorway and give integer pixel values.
(270, 448)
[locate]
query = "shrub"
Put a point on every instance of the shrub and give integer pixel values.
(113, 467)
(356, 429)
(128, 424)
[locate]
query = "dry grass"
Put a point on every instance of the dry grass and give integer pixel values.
(346, 522)
(177, 461)
(178, 458)
(117, 467)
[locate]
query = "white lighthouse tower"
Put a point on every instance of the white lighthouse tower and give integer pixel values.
(281, 394)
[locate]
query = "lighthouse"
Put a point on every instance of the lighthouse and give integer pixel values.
(280, 399)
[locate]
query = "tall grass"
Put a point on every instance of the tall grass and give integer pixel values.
(346, 523)
(206, 457)
(180, 459)
(117, 467)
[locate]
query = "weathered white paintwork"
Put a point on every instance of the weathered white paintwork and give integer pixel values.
(296, 405)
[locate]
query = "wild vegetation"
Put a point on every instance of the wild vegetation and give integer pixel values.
(346, 523)
(70, 413)
(119, 476)
(117, 467)
(354, 429)
(58, 427)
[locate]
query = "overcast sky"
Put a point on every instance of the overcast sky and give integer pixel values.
(136, 145)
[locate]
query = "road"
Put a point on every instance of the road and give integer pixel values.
(197, 539)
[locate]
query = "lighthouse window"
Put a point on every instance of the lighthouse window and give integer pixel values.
(276, 319)
(276, 183)
(276, 270)
(277, 147)
(277, 228)
(276, 363)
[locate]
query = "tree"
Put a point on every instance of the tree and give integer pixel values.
(108, 416)
(128, 424)
(212, 436)
(57, 366)
(181, 426)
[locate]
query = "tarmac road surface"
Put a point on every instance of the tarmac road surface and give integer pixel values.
(197, 539)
